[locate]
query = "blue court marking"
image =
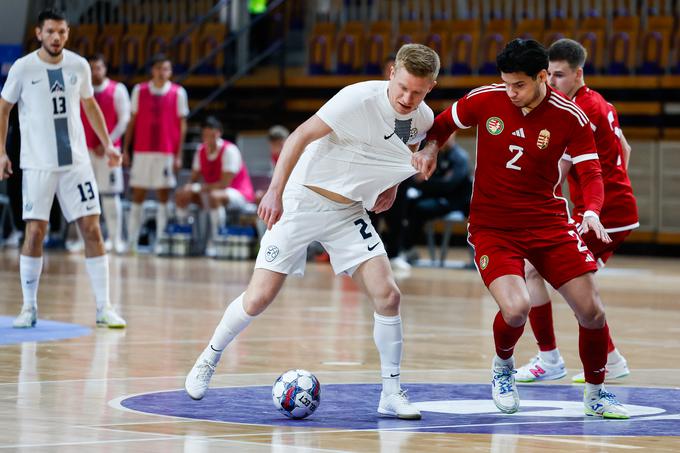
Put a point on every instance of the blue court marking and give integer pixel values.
(446, 408)
(43, 331)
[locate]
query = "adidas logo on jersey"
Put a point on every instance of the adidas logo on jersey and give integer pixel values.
(589, 259)
(519, 132)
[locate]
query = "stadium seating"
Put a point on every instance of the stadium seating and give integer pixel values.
(133, 56)
(350, 48)
(321, 45)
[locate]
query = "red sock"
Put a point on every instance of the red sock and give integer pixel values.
(541, 321)
(505, 337)
(592, 347)
(610, 344)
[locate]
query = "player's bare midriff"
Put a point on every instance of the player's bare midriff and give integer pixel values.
(331, 195)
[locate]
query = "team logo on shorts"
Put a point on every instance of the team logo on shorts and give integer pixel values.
(483, 262)
(494, 125)
(28, 207)
(543, 139)
(271, 254)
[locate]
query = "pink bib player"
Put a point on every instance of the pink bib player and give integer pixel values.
(157, 127)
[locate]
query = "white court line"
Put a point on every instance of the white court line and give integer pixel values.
(273, 374)
(336, 372)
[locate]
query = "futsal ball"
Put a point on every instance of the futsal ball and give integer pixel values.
(296, 393)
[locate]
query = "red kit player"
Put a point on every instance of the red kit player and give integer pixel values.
(619, 212)
(524, 128)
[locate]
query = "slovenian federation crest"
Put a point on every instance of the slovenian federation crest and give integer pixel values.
(543, 139)
(494, 125)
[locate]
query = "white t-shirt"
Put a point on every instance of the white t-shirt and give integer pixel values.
(231, 160)
(121, 102)
(182, 103)
(367, 151)
(52, 135)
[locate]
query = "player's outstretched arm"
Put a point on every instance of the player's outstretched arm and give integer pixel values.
(5, 163)
(271, 207)
(96, 118)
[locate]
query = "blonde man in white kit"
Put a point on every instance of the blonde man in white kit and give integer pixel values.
(49, 85)
(350, 155)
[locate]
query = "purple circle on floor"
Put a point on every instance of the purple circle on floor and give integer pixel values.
(44, 330)
(447, 408)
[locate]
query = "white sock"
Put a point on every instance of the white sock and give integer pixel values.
(234, 320)
(550, 356)
(182, 214)
(30, 269)
(134, 224)
(614, 357)
(504, 363)
(161, 218)
(112, 214)
(98, 270)
(388, 337)
(593, 390)
(215, 222)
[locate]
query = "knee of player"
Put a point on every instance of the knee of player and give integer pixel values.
(90, 231)
(388, 299)
(516, 310)
(256, 302)
(35, 233)
(593, 317)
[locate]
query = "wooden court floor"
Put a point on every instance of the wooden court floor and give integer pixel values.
(61, 395)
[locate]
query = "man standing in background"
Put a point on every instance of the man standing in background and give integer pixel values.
(156, 134)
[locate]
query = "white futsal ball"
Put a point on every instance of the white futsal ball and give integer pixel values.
(296, 393)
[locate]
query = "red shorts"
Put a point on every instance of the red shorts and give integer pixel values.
(601, 251)
(557, 252)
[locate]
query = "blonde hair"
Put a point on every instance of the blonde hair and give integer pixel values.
(418, 60)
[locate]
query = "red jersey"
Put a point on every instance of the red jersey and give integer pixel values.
(518, 156)
(619, 211)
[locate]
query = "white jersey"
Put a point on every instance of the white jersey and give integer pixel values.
(367, 151)
(52, 135)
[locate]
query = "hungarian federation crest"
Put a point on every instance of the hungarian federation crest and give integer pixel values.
(494, 125)
(543, 139)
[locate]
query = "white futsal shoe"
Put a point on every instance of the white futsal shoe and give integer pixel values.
(198, 379)
(27, 318)
(398, 405)
(613, 371)
(605, 405)
(109, 318)
(503, 388)
(539, 370)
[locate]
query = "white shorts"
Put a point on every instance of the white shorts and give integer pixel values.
(345, 231)
(76, 190)
(236, 198)
(152, 171)
(109, 179)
